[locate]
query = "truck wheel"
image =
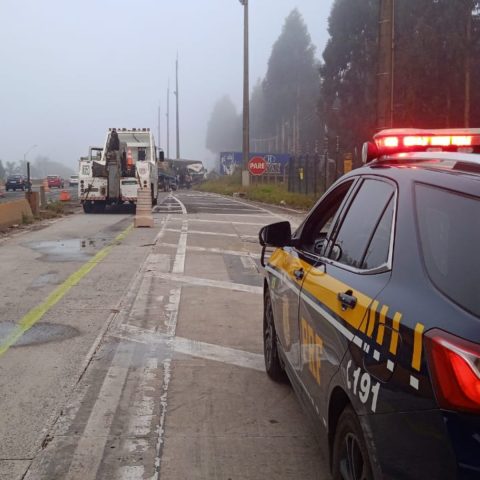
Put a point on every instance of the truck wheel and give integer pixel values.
(88, 207)
(270, 347)
(350, 454)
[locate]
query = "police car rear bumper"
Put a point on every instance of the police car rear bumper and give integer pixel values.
(412, 446)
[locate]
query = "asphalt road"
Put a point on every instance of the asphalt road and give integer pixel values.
(51, 196)
(137, 353)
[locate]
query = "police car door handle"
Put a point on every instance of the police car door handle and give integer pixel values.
(347, 300)
(299, 274)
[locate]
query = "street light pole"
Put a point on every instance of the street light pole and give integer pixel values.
(29, 183)
(178, 117)
(246, 98)
(168, 120)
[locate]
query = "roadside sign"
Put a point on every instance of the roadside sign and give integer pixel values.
(257, 166)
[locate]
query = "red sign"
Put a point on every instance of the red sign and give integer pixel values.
(257, 166)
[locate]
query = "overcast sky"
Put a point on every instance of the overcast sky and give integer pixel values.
(71, 68)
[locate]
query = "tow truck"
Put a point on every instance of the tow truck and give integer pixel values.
(113, 174)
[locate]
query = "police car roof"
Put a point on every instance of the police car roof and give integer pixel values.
(466, 165)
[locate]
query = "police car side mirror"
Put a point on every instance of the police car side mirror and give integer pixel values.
(276, 235)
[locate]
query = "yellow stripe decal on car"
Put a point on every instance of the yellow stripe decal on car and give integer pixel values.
(417, 346)
(324, 288)
(396, 328)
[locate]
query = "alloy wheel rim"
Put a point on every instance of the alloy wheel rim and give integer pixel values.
(352, 463)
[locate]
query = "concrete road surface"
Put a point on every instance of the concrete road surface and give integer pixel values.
(137, 354)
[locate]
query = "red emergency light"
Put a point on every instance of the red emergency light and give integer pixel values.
(393, 141)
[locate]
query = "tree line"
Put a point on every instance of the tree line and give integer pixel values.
(305, 103)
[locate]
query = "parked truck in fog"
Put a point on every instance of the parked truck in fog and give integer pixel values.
(114, 173)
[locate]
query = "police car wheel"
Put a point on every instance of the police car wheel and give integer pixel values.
(270, 349)
(350, 455)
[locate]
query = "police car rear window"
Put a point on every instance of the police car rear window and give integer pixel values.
(449, 229)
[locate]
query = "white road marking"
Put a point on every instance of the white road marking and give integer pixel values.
(273, 214)
(194, 348)
(225, 222)
(221, 251)
(414, 382)
(182, 206)
(376, 355)
(144, 405)
(248, 263)
(179, 264)
(219, 353)
(206, 282)
(230, 206)
(162, 229)
(218, 234)
(172, 308)
(89, 452)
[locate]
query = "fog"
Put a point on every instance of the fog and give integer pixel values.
(71, 69)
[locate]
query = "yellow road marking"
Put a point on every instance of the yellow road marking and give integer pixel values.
(417, 346)
(36, 313)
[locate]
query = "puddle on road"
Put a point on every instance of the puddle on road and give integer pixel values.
(38, 334)
(71, 250)
(50, 278)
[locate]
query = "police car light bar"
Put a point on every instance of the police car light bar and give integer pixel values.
(388, 142)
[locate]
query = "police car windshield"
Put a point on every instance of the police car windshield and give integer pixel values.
(450, 235)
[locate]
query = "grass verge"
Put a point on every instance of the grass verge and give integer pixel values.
(274, 194)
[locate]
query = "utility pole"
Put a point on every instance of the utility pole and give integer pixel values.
(178, 119)
(159, 123)
(168, 120)
(468, 63)
(246, 98)
(385, 74)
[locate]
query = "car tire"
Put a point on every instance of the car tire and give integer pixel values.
(350, 460)
(273, 365)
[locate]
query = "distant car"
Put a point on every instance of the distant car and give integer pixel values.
(16, 182)
(73, 181)
(55, 181)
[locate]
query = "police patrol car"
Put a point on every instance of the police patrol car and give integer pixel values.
(372, 309)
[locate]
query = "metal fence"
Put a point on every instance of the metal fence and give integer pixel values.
(310, 174)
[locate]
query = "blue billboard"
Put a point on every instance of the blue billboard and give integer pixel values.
(277, 163)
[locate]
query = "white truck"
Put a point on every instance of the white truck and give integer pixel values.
(114, 174)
